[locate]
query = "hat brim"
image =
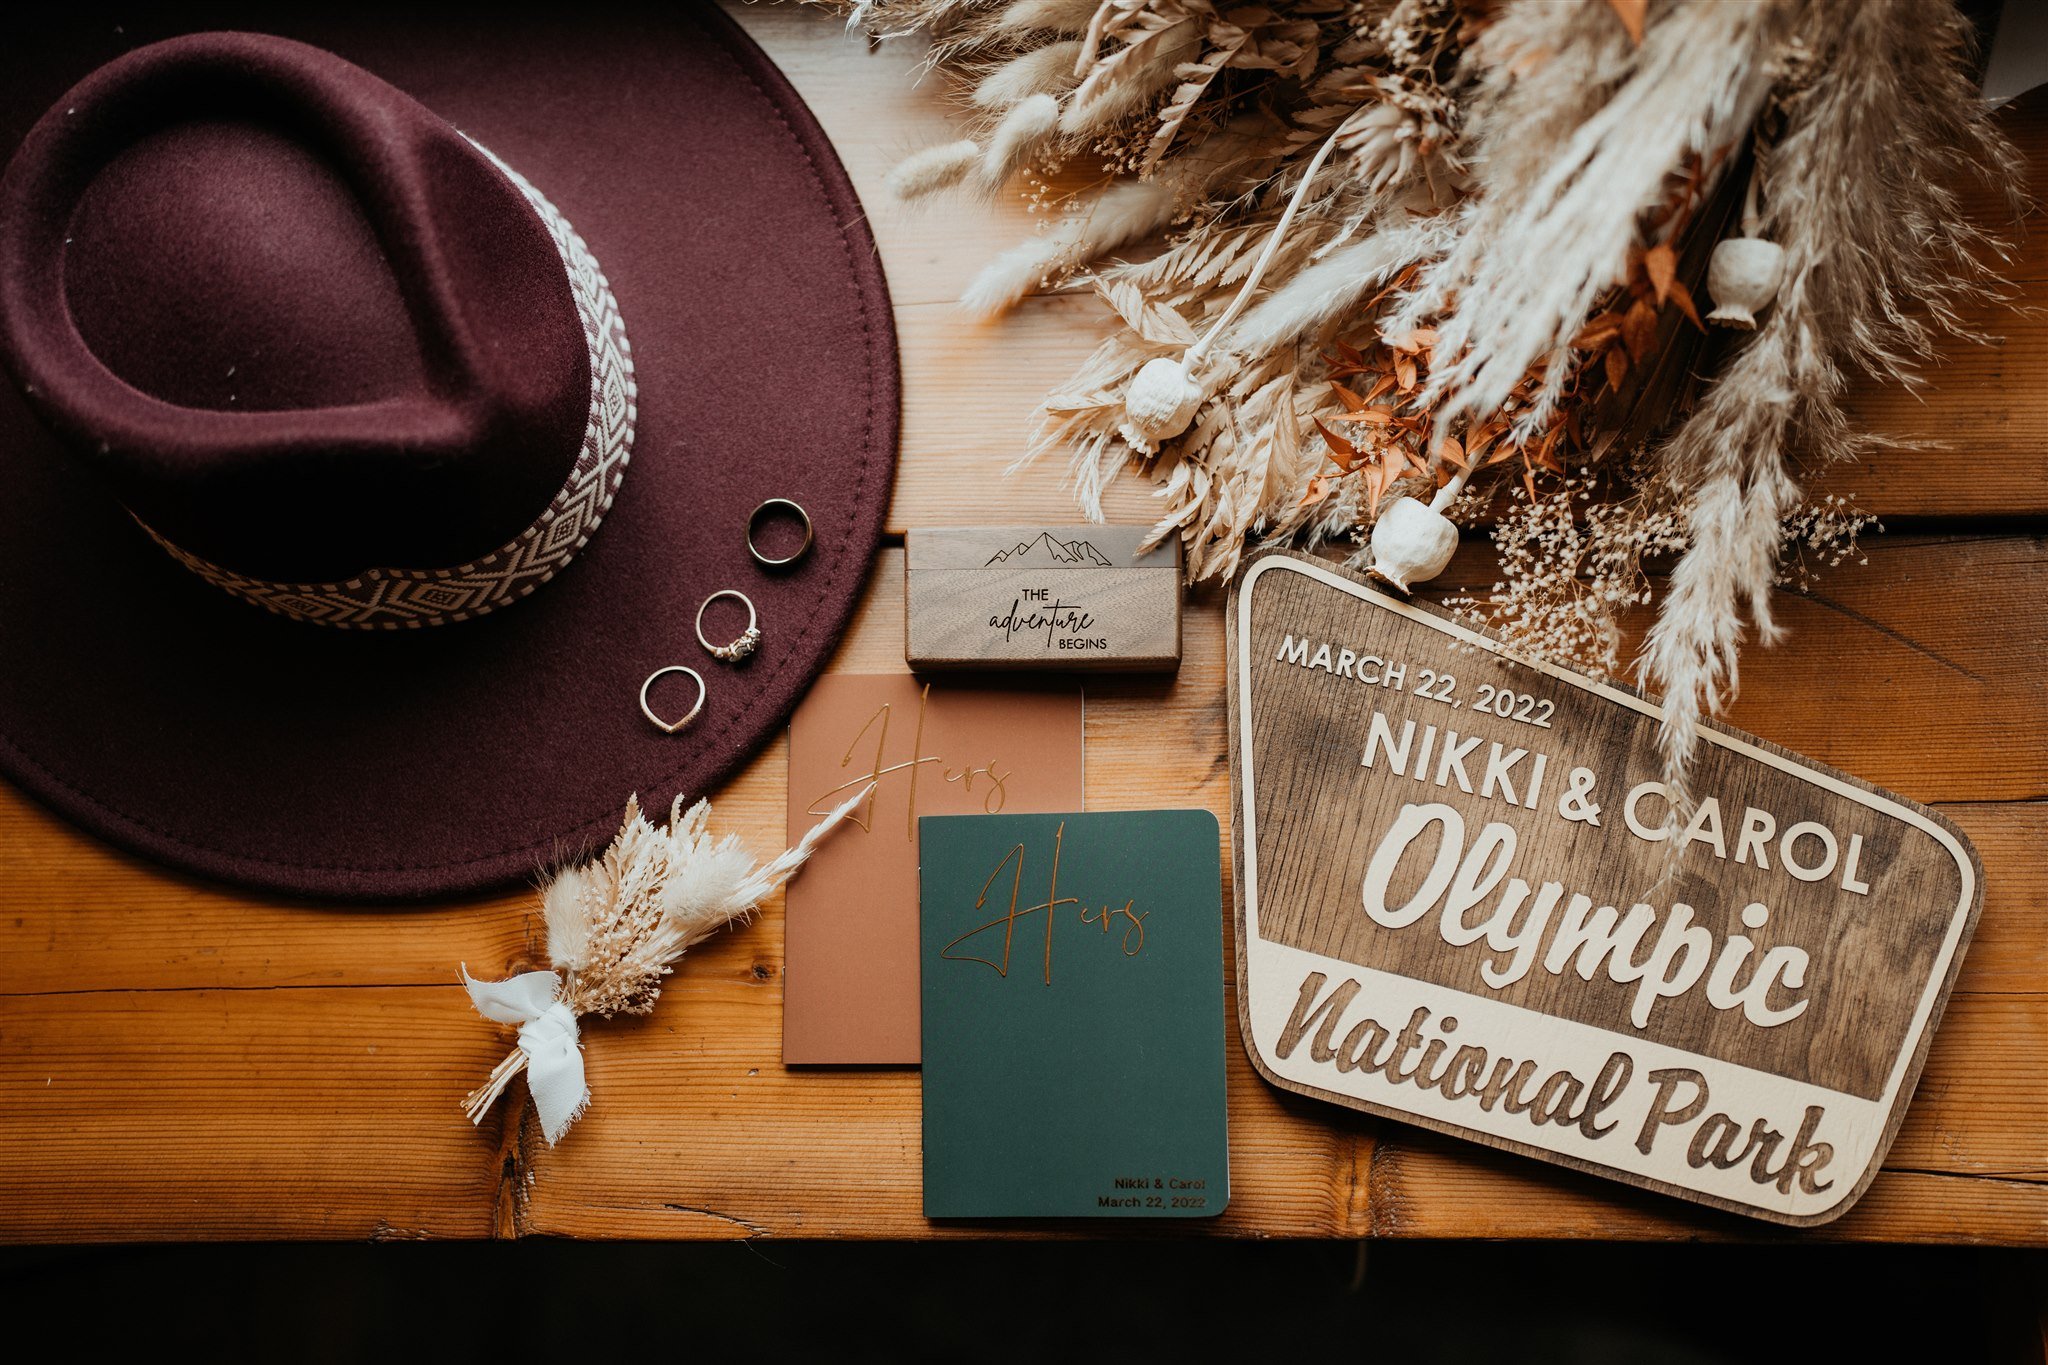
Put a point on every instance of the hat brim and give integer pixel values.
(168, 717)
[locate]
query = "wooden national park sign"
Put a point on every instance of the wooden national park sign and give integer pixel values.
(1458, 905)
(1040, 597)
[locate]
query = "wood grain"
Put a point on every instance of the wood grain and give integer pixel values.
(1436, 1187)
(1299, 1167)
(116, 958)
(262, 1112)
(1915, 671)
(1066, 598)
(179, 1059)
(1320, 798)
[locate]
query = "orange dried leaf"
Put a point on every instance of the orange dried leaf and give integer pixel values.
(1598, 331)
(1617, 367)
(1682, 296)
(1660, 263)
(1378, 479)
(1400, 281)
(1639, 330)
(1372, 417)
(1631, 13)
(1343, 453)
(1404, 371)
(1452, 452)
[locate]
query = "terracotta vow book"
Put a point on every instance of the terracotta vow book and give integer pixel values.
(851, 991)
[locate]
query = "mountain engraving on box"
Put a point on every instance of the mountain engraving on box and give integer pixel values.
(1046, 549)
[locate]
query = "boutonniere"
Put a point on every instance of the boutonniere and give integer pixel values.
(616, 927)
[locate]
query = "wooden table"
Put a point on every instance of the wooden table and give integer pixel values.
(182, 1060)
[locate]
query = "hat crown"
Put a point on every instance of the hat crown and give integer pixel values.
(274, 313)
(298, 322)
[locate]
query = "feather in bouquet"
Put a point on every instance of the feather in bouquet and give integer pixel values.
(1600, 269)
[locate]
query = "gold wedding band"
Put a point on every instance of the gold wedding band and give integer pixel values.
(754, 522)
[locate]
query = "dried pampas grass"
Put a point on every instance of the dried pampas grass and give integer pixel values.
(934, 168)
(1048, 71)
(1881, 264)
(1690, 89)
(1022, 132)
(1120, 215)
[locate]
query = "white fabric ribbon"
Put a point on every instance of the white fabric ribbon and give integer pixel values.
(547, 1035)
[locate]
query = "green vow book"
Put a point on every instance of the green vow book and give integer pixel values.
(1072, 976)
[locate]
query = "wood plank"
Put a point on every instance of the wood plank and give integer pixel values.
(1982, 1106)
(971, 388)
(1980, 403)
(317, 1112)
(1884, 676)
(1934, 709)
(702, 1076)
(79, 916)
(1434, 1188)
(878, 105)
(700, 1133)
(181, 1059)
(2010, 953)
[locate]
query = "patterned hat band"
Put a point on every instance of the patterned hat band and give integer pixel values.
(394, 599)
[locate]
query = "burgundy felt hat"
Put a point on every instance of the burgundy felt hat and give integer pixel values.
(388, 395)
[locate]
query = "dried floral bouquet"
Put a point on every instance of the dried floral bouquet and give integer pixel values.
(617, 926)
(1599, 268)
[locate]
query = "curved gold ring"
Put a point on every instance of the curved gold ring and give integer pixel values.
(647, 709)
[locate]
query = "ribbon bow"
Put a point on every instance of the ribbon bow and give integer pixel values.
(547, 1036)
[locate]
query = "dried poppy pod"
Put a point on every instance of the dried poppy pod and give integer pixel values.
(1160, 403)
(1742, 279)
(1164, 393)
(1412, 541)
